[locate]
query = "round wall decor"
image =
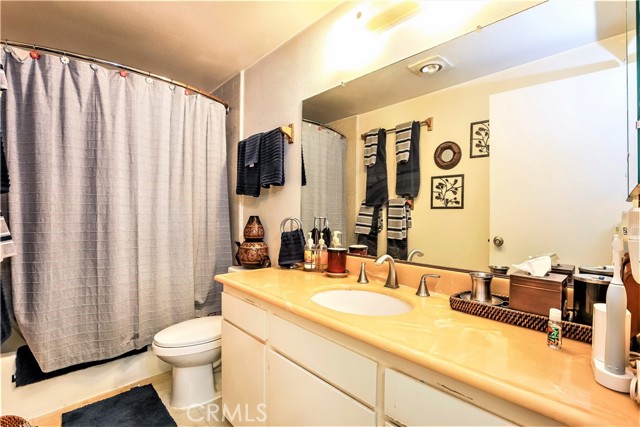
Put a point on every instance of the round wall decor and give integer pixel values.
(447, 155)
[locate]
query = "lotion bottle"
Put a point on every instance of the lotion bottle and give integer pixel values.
(321, 255)
(310, 256)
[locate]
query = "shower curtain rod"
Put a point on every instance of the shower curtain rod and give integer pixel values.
(324, 126)
(8, 43)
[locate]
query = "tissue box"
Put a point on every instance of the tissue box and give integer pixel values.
(537, 294)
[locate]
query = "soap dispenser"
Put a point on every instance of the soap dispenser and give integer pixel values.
(335, 241)
(322, 255)
(310, 255)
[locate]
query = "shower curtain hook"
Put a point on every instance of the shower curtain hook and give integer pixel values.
(148, 79)
(172, 87)
(93, 65)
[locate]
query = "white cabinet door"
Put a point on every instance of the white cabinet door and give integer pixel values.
(414, 403)
(299, 398)
(243, 377)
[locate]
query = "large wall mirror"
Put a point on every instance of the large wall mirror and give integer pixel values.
(541, 107)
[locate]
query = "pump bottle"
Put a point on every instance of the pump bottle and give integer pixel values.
(310, 254)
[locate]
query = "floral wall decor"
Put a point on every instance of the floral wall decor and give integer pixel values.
(447, 192)
(479, 139)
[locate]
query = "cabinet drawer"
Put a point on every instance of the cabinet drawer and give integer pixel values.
(248, 317)
(299, 398)
(348, 370)
(412, 402)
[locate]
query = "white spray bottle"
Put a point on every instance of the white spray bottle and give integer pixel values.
(611, 324)
(615, 358)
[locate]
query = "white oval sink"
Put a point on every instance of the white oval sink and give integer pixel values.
(356, 301)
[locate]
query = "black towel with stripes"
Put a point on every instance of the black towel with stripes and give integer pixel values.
(272, 158)
(408, 172)
(377, 191)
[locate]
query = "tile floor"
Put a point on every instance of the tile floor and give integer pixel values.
(206, 415)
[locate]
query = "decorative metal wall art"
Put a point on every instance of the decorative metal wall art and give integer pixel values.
(447, 192)
(479, 139)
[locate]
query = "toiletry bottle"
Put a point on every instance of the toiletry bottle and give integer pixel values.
(322, 255)
(310, 255)
(335, 241)
(554, 329)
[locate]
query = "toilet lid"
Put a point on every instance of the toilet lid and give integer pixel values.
(190, 332)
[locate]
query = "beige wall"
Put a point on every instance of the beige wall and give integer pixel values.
(306, 65)
(448, 237)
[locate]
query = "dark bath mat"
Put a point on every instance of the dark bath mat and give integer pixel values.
(28, 371)
(140, 406)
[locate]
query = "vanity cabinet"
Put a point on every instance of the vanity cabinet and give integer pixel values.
(411, 402)
(303, 374)
(244, 362)
(298, 398)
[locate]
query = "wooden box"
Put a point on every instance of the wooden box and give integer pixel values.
(538, 294)
(567, 269)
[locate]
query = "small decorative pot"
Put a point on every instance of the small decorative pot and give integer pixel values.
(254, 229)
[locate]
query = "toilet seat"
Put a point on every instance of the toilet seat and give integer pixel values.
(202, 331)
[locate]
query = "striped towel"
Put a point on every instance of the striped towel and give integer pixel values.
(398, 218)
(403, 142)
(371, 147)
(7, 247)
(364, 221)
(366, 217)
(272, 158)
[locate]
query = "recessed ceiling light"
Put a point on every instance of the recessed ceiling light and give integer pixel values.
(430, 65)
(430, 68)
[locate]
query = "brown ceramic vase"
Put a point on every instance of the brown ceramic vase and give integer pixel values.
(253, 252)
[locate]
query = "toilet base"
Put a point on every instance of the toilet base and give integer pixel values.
(192, 386)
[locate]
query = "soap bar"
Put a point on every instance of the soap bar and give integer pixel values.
(538, 294)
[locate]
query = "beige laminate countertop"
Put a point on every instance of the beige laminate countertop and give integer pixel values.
(507, 361)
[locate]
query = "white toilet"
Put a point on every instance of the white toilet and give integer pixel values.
(191, 347)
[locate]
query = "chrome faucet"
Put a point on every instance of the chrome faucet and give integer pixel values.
(392, 279)
(414, 253)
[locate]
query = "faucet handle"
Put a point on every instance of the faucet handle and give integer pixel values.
(363, 275)
(423, 291)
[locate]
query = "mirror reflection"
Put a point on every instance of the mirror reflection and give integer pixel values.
(536, 103)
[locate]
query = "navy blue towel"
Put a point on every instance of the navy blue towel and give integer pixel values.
(4, 312)
(248, 178)
(272, 158)
(377, 191)
(291, 248)
(408, 172)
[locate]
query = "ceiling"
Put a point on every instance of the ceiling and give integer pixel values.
(541, 31)
(201, 43)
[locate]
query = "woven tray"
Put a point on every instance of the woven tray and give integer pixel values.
(504, 314)
(13, 421)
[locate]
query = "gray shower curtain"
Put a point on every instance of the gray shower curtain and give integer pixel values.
(118, 207)
(324, 195)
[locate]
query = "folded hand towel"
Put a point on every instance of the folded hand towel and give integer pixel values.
(291, 248)
(403, 141)
(252, 151)
(248, 179)
(364, 221)
(272, 158)
(408, 172)
(398, 219)
(371, 147)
